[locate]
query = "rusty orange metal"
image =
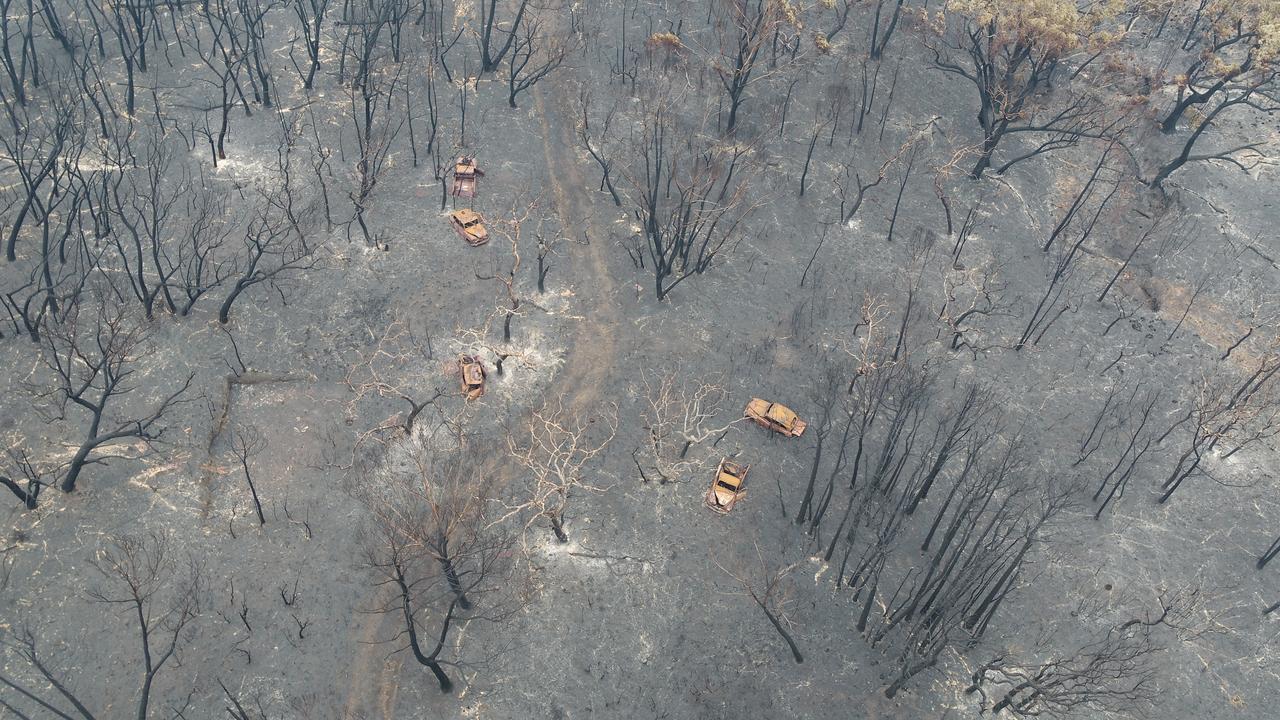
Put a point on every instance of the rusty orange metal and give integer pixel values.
(465, 175)
(727, 487)
(775, 416)
(470, 226)
(473, 376)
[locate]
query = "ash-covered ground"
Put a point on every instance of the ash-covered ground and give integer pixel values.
(1141, 340)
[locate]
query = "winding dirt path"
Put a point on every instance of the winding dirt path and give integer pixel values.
(372, 677)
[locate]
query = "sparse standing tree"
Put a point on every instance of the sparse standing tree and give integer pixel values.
(553, 454)
(690, 202)
(679, 412)
(246, 443)
(157, 591)
(92, 361)
(310, 14)
(434, 543)
(767, 587)
(535, 54)
(495, 40)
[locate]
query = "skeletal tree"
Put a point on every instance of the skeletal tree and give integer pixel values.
(495, 40)
(478, 339)
(852, 190)
(15, 70)
(95, 91)
(158, 591)
(251, 15)
(143, 203)
(594, 142)
(970, 293)
(546, 250)
(535, 54)
(224, 68)
(1095, 184)
(7, 560)
(1116, 672)
(1172, 228)
(1137, 437)
(1203, 279)
(275, 235)
(1089, 209)
(51, 290)
(1225, 408)
(766, 584)
(433, 542)
(512, 228)
(29, 475)
(310, 15)
(975, 568)
(808, 158)
(679, 412)
(374, 77)
(236, 706)
(1261, 94)
(973, 411)
(742, 28)
(553, 451)
(873, 377)
(826, 396)
(1269, 554)
(399, 364)
(852, 194)
(200, 258)
(879, 34)
(34, 149)
(146, 580)
(1259, 316)
(133, 25)
(438, 17)
(981, 522)
(51, 203)
(690, 201)
(92, 360)
(246, 443)
(55, 25)
(842, 10)
(24, 645)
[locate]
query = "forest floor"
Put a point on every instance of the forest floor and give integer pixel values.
(636, 617)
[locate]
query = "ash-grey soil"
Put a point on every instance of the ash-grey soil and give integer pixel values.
(635, 617)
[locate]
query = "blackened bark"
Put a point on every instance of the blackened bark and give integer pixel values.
(557, 527)
(29, 495)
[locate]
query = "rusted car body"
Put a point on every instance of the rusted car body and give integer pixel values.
(465, 175)
(469, 226)
(473, 375)
(775, 416)
(726, 489)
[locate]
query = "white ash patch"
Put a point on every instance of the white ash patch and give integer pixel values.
(239, 170)
(558, 303)
(534, 360)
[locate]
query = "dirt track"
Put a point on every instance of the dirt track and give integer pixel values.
(374, 676)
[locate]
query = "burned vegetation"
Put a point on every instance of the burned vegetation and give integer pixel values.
(741, 359)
